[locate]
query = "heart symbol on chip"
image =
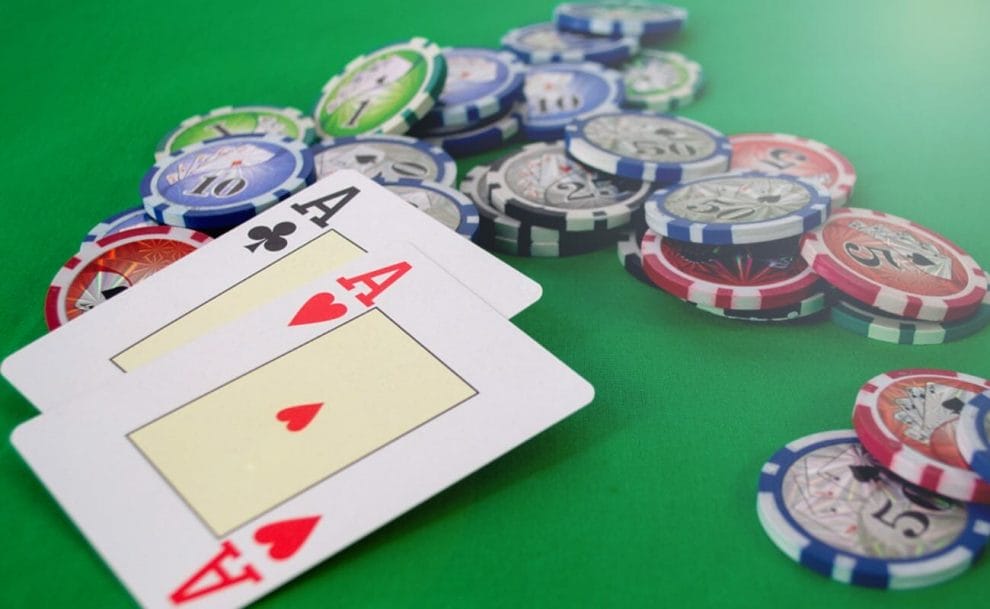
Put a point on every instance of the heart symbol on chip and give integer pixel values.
(296, 418)
(285, 537)
(320, 307)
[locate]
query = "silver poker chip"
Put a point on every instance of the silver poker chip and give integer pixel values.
(650, 137)
(738, 199)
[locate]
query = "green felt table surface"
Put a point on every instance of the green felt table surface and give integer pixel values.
(644, 498)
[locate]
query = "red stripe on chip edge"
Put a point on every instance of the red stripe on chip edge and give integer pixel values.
(51, 307)
(653, 269)
(134, 232)
(680, 285)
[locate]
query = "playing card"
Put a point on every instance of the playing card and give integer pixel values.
(320, 228)
(249, 455)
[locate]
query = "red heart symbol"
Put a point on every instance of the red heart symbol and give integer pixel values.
(298, 417)
(285, 537)
(319, 307)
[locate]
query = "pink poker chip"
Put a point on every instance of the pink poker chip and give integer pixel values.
(895, 265)
(740, 277)
(110, 265)
(797, 156)
(907, 421)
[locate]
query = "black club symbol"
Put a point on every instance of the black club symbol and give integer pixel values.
(272, 238)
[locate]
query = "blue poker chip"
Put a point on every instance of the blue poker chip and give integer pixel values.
(389, 157)
(646, 146)
(827, 504)
(220, 183)
(973, 434)
(544, 43)
(489, 136)
(558, 94)
(135, 217)
(620, 18)
(447, 206)
(481, 84)
(738, 208)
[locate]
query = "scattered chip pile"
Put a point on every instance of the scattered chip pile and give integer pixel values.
(401, 114)
(903, 501)
(750, 227)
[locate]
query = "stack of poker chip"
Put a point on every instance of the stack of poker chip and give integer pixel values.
(903, 499)
(596, 58)
(477, 109)
(540, 202)
(897, 281)
(608, 169)
(724, 240)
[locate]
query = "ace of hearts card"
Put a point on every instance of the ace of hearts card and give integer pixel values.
(250, 454)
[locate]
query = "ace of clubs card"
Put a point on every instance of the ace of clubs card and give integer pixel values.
(322, 227)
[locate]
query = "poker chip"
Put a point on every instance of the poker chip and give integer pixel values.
(541, 185)
(828, 505)
(895, 265)
(480, 84)
(737, 208)
(907, 419)
(390, 157)
(442, 203)
(631, 256)
(542, 43)
(806, 307)
(797, 156)
(646, 146)
(220, 183)
(558, 94)
(111, 265)
(238, 120)
(385, 91)
(661, 81)
(747, 277)
(620, 18)
(878, 325)
(499, 232)
(973, 434)
(134, 217)
(476, 140)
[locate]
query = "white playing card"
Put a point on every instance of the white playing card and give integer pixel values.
(249, 455)
(324, 226)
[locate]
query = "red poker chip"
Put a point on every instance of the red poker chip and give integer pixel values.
(797, 156)
(907, 420)
(895, 265)
(113, 264)
(752, 277)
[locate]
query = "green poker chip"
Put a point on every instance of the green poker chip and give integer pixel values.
(238, 120)
(384, 92)
(878, 325)
(661, 81)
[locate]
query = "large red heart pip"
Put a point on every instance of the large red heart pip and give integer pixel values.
(320, 307)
